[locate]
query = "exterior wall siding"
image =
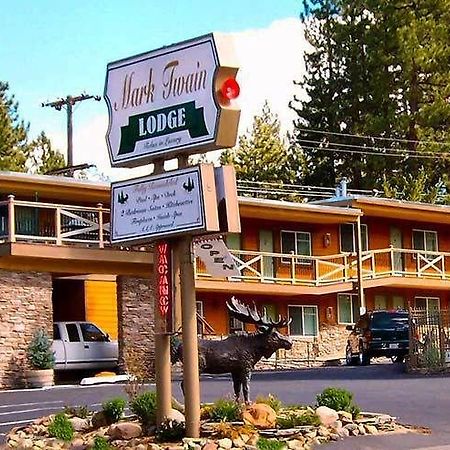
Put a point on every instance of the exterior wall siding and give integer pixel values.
(25, 306)
(136, 325)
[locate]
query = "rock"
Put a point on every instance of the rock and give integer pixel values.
(26, 443)
(245, 437)
(210, 445)
(295, 444)
(77, 444)
(371, 429)
(238, 442)
(39, 443)
(343, 432)
(350, 427)
(345, 416)
(361, 430)
(141, 447)
(124, 430)
(323, 431)
(99, 420)
(260, 415)
(79, 424)
(327, 416)
(334, 436)
(252, 440)
(176, 415)
(153, 447)
(225, 443)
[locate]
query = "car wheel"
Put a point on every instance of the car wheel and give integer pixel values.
(363, 358)
(397, 359)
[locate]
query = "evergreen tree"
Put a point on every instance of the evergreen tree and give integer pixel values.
(262, 155)
(17, 153)
(378, 68)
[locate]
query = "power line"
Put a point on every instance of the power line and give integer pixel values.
(372, 137)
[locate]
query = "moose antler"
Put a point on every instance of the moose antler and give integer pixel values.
(251, 315)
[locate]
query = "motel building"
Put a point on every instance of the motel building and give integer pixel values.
(298, 260)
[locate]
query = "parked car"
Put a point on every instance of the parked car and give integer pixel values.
(83, 345)
(378, 333)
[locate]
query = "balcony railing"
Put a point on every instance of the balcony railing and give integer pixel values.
(293, 269)
(53, 223)
(280, 268)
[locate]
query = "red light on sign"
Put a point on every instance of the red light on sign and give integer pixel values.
(230, 89)
(163, 278)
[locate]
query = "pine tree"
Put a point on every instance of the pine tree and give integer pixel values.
(42, 157)
(262, 155)
(378, 68)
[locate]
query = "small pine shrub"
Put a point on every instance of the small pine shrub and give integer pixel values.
(270, 444)
(170, 431)
(39, 351)
(144, 406)
(338, 399)
(293, 419)
(61, 428)
(225, 409)
(100, 443)
(272, 400)
(77, 411)
(113, 409)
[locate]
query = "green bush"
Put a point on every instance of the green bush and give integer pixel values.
(338, 399)
(100, 443)
(77, 411)
(225, 409)
(170, 431)
(39, 351)
(272, 400)
(144, 406)
(61, 428)
(293, 419)
(270, 444)
(113, 409)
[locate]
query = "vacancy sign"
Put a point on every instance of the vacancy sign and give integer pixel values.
(164, 205)
(172, 101)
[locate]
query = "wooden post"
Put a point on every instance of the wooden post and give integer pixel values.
(11, 220)
(58, 225)
(101, 243)
(362, 302)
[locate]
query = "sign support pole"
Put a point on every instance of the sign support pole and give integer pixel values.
(163, 370)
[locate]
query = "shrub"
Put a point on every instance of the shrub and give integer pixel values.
(77, 411)
(270, 444)
(113, 409)
(338, 399)
(272, 400)
(100, 443)
(225, 409)
(144, 406)
(39, 351)
(293, 419)
(170, 431)
(61, 428)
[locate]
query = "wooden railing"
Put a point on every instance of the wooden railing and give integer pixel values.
(293, 269)
(53, 223)
(281, 268)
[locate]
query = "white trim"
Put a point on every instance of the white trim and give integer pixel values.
(351, 308)
(424, 240)
(426, 301)
(303, 321)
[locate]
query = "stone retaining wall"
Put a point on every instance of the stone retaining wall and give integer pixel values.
(25, 306)
(135, 309)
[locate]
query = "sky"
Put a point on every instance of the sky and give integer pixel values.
(50, 49)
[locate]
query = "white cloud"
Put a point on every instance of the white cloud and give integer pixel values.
(270, 59)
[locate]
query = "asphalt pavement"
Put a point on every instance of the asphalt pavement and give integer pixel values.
(416, 400)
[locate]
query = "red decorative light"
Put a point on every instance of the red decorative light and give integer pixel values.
(230, 89)
(163, 278)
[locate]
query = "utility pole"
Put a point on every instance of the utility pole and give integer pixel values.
(68, 104)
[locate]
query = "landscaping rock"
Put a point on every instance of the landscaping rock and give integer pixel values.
(76, 444)
(345, 416)
(210, 446)
(124, 430)
(296, 444)
(327, 416)
(260, 416)
(79, 424)
(99, 420)
(176, 415)
(225, 443)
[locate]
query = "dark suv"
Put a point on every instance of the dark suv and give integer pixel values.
(378, 333)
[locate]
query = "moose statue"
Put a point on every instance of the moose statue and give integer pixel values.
(238, 354)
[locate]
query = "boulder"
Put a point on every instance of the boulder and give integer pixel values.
(124, 430)
(79, 424)
(210, 445)
(176, 415)
(99, 420)
(225, 443)
(260, 416)
(327, 416)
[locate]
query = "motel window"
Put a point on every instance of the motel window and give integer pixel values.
(304, 321)
(235, 325)
(380, 302)
(298, 242)
(398, 302)
(427, 303)
(348, 312)
(233, 241)
(347, 233)
(425, 240)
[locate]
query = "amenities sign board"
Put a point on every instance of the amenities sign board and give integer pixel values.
(167, 102)
(164, 205)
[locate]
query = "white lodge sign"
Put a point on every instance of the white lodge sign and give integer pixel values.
(167, 102)
(163, 205)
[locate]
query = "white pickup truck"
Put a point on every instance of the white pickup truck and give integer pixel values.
(83, 345)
